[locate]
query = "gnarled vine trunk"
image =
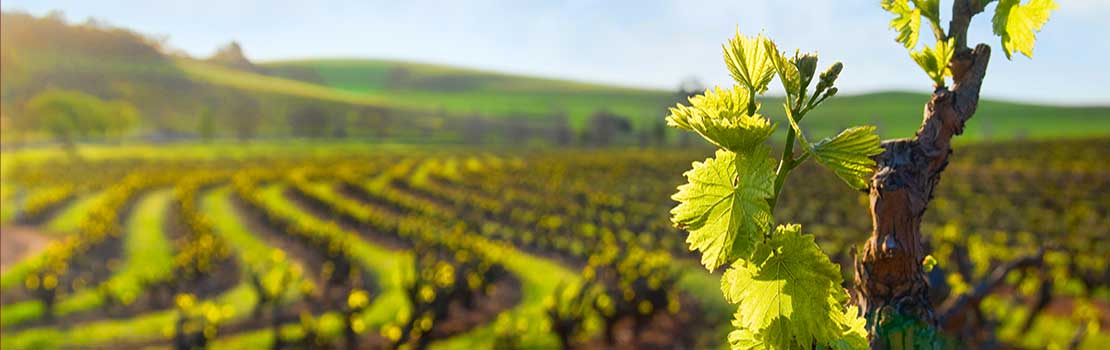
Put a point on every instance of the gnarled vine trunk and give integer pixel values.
(891, 287)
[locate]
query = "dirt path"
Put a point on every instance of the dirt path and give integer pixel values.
(19, 242)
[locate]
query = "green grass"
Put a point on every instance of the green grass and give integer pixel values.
(460, 90)
(538, 278)
(30, 157)
(148, 256)
(159, 324)
(898, 114)
(373, 75)
(148, 252)
(65, 222)
(14, 276)
(705, 287)
(387, 265)
(150, 326)
(220, 75)
(178, 89)
(468, 91)
(68, 220)
(1048, 331)
(578, 101)
(8, 199)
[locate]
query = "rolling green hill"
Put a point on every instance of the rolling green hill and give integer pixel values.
(460, 89)
(181, 96)
(417, 85)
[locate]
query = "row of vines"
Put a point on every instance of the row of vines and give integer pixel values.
(557, 249)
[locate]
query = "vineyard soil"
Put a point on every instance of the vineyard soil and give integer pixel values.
(501, 236)
(18, 243)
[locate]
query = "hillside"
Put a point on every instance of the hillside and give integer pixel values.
(469, 90)
(896, 113)
(40, 54)
(228, 95)
(112, 63)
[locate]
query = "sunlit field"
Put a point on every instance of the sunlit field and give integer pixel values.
(468, 248)
(554, 176)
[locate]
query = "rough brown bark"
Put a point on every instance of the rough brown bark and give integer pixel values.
(962, 11)
(891, 285)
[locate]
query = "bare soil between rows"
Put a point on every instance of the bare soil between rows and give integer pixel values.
(155, 297)
(664, 331)
(19, 242)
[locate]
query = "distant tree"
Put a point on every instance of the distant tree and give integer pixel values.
(398, 78)
(231, 55)
(517, 130)
(308, 121)
(604, 127)
(341, 123)
(659, 133)
(121, 116)
(206, 127)
(69, 115)
(245, 115)
(474, 129)
(561, 133)
(56, 15)
(375, 119)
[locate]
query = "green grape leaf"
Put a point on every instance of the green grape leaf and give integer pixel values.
(748, 62)
(743, 339)
(789, 297)
(724, 206)
(720, 116)
(848, 154)
(1017, 24)
(929, 8)
(854, 329)
(907, 21)
(788, 72)
(935, 60)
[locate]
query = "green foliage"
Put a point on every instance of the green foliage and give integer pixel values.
(907, 21)
(935, 60)
(928, 8)
(748, 62)
(788, 291)
(789, 295)
(567, 310)
(1017, 24)
(722, 118)
(848, 154)
(787, 71)
(725, 205)
(70, 114)
(901, 331)
(928, 263)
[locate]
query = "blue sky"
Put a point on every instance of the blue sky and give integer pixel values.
(633, 43)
